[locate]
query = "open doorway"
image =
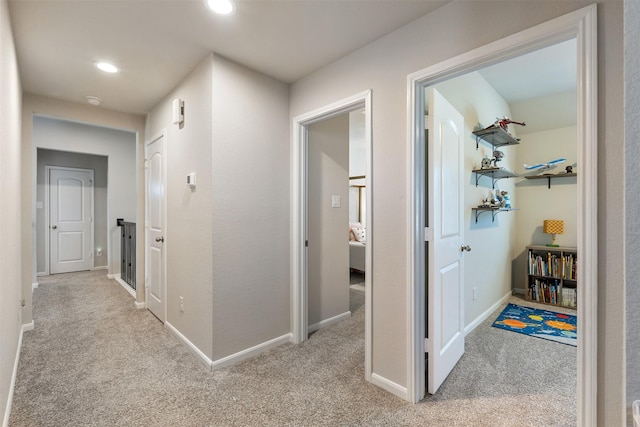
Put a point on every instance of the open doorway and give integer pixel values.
(576, 26)
(111, 154)
(302, 222)
(357, 207)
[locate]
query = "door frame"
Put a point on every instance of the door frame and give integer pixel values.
(47, 213)
(581, 25)
(298, 260)
(147, 142)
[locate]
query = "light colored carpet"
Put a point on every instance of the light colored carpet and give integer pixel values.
(94, 360)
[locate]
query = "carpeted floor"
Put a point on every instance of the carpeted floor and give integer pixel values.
(94, 360)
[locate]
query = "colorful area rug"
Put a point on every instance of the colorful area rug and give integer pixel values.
(539, 323)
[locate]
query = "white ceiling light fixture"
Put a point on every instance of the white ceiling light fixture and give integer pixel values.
(221, 7)
(107, 67)
(93, 100)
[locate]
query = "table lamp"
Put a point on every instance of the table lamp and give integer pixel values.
(553, 227)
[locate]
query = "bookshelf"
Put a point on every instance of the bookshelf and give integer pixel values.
(551, 275)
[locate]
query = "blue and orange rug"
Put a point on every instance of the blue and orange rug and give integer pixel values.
(544, 324)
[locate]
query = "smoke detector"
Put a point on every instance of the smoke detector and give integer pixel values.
(93, 100)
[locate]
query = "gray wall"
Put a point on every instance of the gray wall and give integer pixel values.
(83, 161)
(383, 66)
(632, 196)
(228, 241)
(328, 251)
(188, 235)
(119, 147)
(10, 214)
(251, 208)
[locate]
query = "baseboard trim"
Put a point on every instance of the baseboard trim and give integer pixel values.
(112, 276)
(519, 291)
(390, 386)
(195, 350)
(471, 326)
(100, 267)
(250, 352)
(41, 273)
(28, 326)
(329, 321)
(14, 376)
(35, 285)
(140, 305)
(125, 285)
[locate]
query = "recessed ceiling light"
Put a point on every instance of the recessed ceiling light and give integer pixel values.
(222, 7)
(107, 67)
(93, 100)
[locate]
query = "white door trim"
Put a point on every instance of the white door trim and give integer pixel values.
(47, 212)
(299, 313)
(149, 141)
(581, 25)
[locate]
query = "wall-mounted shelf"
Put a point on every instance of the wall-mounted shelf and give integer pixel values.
(494, 211)
(549, 176)
(496, 137)
(494, 173)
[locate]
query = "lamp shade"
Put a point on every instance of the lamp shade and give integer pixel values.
(553, 226)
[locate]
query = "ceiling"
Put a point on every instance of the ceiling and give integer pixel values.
(543, 72)
(157, 43)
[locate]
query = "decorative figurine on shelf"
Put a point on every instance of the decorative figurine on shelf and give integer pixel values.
(503, 123)
(497, 156)
(485, 203)
(568, 169)
(486, 163)
(506, 201)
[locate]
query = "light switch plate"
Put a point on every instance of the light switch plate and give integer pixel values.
(335, 201)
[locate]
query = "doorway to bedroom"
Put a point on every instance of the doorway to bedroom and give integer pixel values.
(320, 219)
(357, 207)
(336, 199)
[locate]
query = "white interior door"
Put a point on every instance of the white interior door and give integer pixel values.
(155, 244)
(445, 307)
(70, 220)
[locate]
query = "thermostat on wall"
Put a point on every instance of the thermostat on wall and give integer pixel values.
(191, 180)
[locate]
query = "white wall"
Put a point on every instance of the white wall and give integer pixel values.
(119, 147)
(328, 251)
(100, 214)
(487, 268)
(10, 215)
(383, 66)
(632, 197)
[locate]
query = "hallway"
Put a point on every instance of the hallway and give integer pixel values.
(94, 360)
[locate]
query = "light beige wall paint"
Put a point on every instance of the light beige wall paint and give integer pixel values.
(632, 197)
(10, 215)
(76, 160)
(120, 148)
(537, 202)
(250, 170)
(189, 221)
(39, 105)
(487, 268)
(328, 251)
(383, 66)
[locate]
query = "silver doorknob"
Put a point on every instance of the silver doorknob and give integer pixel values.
(465, 248)
(159, 239)
(53, 227)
